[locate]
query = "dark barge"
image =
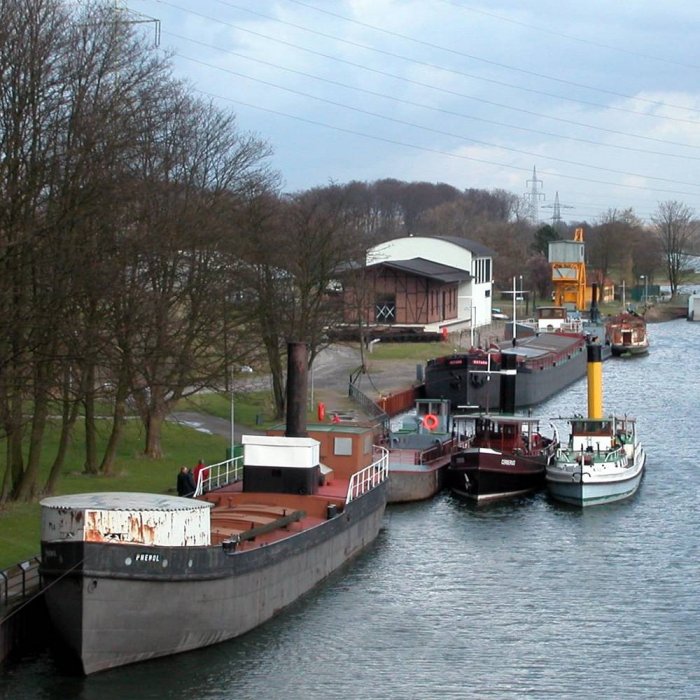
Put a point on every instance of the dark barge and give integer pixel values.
(130, 577)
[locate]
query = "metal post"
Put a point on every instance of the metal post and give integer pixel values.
(514, 295)
(233, 429)
(471, 327)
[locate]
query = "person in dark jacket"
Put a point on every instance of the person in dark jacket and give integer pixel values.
(185, 483)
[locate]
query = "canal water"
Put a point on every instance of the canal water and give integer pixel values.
(527, 599)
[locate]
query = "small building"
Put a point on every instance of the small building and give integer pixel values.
(435, 283)
(605, 286)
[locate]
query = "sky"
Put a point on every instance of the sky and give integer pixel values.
(601, 97)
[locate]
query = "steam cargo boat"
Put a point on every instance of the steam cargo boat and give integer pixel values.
(130, 576)
(627, 334)
(506, 455)
(550, 352)
(603, 460)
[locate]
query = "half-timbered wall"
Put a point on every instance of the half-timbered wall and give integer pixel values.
(397, 297)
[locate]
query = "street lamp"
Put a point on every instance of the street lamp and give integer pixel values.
(646, 287)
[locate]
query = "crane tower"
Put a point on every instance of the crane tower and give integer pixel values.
(568, 263)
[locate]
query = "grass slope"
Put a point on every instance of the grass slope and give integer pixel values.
(20, 522)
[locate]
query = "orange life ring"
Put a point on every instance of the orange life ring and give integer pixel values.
(430, 421)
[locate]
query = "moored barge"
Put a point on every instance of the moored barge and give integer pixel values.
(129, 577)
(550, 352)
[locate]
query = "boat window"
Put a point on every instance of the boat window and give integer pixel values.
(342, 446)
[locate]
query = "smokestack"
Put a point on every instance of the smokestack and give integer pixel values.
(595, 382)
(509, 374)
(595, 312)
(297, 371)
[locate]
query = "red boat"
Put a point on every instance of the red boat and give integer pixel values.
(627, 334)
(507, 456)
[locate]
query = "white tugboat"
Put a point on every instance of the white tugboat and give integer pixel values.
(603, 460)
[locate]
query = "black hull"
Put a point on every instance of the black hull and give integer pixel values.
(487, 476)
(115, 604)
(467, 385)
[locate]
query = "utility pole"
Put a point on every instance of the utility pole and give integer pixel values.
(533, 197)
(130, 17)
(556, 208)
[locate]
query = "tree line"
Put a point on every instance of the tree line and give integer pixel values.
(147, 248)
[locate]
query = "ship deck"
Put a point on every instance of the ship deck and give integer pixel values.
(254, 519)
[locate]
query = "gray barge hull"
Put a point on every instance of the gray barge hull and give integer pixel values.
(466, 381)
(116, 604)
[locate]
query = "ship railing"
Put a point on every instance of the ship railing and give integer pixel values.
(370, 477)
(19, 581)
(376, 414)
(572, 325)
(219, 475)
(585, 456)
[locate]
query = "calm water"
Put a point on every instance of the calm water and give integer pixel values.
(519, 600)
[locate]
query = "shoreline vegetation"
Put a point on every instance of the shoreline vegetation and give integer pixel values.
(20, 522)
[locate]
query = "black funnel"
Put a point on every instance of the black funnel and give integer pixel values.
(509, 374)
(297, 372)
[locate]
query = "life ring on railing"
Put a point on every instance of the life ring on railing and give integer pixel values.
(430, 421)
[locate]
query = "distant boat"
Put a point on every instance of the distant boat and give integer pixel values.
(627, 334)
(129, 577)
(603, 460)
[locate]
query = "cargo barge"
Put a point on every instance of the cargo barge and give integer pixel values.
(550, 352)
(129, 577)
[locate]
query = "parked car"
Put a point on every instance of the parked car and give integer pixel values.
(498, 315)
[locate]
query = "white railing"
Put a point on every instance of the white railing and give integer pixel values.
(370, 477)
(219, 474)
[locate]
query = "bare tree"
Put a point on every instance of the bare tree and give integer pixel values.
(677, 231)
(194, 161)
(31, 104)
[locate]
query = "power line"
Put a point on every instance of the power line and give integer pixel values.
(440, 132)
(570, 37)
(451, 112)
(472, 57)
(449, 154)
(414, 61)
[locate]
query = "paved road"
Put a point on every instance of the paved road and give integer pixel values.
(328, 383)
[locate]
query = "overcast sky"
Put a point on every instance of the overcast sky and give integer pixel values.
(602, 96)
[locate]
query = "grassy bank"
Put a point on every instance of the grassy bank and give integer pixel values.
(20, 522)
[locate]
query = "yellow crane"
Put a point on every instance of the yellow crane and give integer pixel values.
(568, 263)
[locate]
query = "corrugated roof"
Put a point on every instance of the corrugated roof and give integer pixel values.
(123, 500)
(427, 268)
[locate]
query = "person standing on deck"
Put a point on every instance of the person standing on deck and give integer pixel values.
(185, 483)
(201, 468)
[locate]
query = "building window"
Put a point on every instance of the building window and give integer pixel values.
(481, 270)
(385, 310)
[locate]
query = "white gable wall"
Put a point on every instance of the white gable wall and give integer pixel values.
(446, 253)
